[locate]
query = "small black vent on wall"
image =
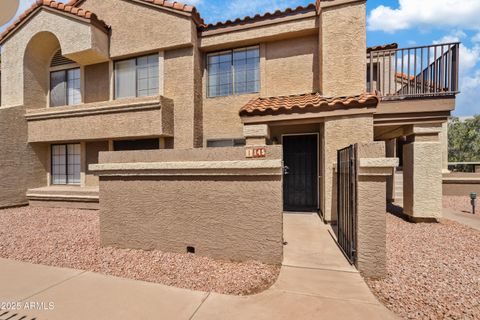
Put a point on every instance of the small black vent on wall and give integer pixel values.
(59, 60)
(190, 249)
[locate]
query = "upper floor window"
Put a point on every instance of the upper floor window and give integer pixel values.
(233, 72)
(65, 87)
(137, 77)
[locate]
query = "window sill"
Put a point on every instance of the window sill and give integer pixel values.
(238, 95)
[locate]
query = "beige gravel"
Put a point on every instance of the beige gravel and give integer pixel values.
(70, 238)
(433, 270)
(458, 203)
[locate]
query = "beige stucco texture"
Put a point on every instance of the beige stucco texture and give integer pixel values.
(22, 166)
(138, 26)
(340, 133)
(111, 119)
(342, 48)
(237, 216)
(422, 178)
(373, 169)
(26, 53)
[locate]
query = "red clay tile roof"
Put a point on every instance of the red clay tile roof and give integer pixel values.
(310, 102)
(258, 17)
(55, 6)
(389, 46)
(162, 3)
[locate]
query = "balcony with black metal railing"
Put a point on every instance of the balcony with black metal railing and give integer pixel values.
(414, 73)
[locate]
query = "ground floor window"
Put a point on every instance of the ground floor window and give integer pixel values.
(66, 164)
(130, 145)
(218, 143)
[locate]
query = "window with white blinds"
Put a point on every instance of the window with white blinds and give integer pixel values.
(65, 160)
(137, 77)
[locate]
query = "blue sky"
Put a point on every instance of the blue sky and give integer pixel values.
(407, 22)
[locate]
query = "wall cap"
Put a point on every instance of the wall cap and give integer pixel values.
(378, 162)
(190, 168)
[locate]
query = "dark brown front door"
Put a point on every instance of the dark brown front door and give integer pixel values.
(300, 180)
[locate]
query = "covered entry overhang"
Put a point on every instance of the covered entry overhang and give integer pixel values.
(311, 129)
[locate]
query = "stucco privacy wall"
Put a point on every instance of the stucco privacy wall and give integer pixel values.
(22, 166)
(225, 214)
(74, 37)
(340, 133)
(342, 46)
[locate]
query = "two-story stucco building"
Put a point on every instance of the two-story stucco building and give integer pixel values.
(93, 76)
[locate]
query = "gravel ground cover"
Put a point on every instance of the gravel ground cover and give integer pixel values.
(433, 270)
(70, 238)
(457, 203)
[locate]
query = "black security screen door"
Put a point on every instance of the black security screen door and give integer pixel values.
(300, 180)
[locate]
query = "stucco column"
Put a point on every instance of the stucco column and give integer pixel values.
(422, 173)
(339, 133)
(373, 169)
(391, 152)
(444, 142)
(256, 135)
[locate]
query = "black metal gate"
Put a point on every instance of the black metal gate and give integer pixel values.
(347, 201)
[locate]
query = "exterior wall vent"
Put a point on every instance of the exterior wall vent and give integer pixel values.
(190, 249)
(59, 60)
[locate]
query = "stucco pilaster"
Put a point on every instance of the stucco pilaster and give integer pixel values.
(373, 170)
(422, 174)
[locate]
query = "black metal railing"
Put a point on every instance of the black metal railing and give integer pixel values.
(426, 71)
(347, 202)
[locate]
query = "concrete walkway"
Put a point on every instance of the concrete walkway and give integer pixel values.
(316, 282)
(468, 219)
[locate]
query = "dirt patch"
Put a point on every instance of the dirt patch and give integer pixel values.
(70, 238)
(433, 270)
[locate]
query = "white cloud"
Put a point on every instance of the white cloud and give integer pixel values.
(468, 100)
(426, 13)
(476, 38)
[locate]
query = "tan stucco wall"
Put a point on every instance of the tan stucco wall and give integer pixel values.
(249, 36)
(91, 157)
(158, 28)
(340, 133)
(287, 67)
(422, 178)
(235, 217)
(343, 45)
(22, 166)
(206, 154)
(183, 84)
(371, 209)
(291, 67)
(97, 83)
(141, 117)
(74, 37)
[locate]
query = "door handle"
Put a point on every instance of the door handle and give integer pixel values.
(286, 170)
